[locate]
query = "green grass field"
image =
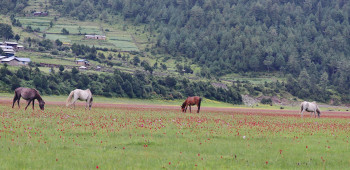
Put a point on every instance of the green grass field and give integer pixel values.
(36, 22)
(149, 134)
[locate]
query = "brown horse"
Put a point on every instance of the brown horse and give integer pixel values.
(28, 94)
(190, 101)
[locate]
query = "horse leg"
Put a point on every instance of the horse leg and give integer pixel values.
(14, 100)
(190, 109)
(33, 103)
(302, 111)
(74, 100)
(19, 98)
(28, 104)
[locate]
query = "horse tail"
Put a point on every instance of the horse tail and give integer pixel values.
(301, 108)
(69, 99)
(199, 104)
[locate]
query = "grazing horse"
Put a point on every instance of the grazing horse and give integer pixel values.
(28, 94)
(190, 101)
(309, 107)
(83, 95)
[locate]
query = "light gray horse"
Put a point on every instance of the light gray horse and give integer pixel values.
(83, 95)
(309, 107)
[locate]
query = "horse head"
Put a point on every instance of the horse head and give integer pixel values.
(318, 112)
(183, 106)
(41, 104)
(90, 103)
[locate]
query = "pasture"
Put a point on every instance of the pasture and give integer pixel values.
(137, 134)
(116, 39)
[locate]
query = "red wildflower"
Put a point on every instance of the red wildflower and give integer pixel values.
(266, 162)
(97, 167)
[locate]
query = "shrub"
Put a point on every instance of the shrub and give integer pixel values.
(266, 101)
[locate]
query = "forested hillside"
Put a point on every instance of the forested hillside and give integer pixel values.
(308, 39)
(12, 6)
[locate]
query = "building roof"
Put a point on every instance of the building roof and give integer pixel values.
(11, 43)
(39, 12)
(15, 58)
(95, 36)
(82, 67)
(1, 57)
(6, 47)
(8, 59)
(7, 50)
(23, 59)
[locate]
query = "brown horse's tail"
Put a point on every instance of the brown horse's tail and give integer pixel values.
(69, 99)
(199, 104)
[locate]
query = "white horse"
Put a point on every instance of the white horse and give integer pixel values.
(83, 95)
(309, 107)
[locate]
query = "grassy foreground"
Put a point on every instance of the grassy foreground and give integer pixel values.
(128, 137)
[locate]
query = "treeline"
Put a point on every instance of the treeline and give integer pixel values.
(118, 84)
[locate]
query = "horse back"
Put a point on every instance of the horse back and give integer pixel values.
(193, 100)
(27, 93)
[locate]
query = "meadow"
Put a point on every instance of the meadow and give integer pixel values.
(135, 134)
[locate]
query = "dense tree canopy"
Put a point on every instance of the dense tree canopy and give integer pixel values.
(5, 31)
(12, 6)
(300, 38)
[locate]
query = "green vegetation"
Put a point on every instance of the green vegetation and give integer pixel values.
(118, 84)
(129, 137)
(289, 37)
(242, 42)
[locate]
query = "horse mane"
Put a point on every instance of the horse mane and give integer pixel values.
(37, 94)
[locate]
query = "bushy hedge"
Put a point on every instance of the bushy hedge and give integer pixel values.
(118, 84)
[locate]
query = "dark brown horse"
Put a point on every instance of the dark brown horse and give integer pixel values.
(28, 94)
(190, 101)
